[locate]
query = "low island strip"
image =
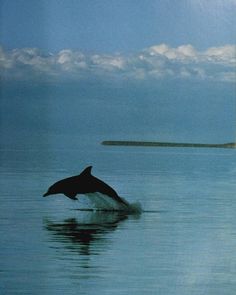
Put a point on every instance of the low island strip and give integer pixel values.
(167, 144)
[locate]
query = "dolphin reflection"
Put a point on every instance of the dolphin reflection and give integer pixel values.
(85, 235)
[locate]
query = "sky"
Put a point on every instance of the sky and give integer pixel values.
(108, 26)
(152, 69)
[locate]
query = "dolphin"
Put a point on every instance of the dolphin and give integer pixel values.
(84, 183)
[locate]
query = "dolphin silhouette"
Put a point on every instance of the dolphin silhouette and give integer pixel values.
(84, 183)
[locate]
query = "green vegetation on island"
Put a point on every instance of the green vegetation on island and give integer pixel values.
(168, 144)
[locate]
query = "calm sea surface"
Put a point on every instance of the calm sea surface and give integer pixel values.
(182, 244)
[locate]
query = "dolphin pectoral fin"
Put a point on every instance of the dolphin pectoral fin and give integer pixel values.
(71, 196)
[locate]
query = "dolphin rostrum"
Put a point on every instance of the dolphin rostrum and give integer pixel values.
(84, 183)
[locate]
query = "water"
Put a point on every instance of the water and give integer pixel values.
(183, 243)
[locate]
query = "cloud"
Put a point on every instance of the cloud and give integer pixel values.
(180, 53)
(70, 61)
(224, 54)
(156, 62)
(187, 53)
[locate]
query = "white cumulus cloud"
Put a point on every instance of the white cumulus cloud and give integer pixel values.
(155, 62)
(179, 53)
(224, 54)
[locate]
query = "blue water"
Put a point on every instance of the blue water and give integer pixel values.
(183, 243)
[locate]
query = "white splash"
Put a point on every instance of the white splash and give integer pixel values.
(101, 202)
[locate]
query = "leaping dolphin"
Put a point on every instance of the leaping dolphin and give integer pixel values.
(84, 183)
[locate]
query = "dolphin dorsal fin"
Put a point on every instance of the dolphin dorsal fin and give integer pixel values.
(87, 171)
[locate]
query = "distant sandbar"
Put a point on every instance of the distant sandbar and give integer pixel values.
(168, 144)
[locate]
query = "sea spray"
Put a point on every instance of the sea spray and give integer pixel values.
(101, 202)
